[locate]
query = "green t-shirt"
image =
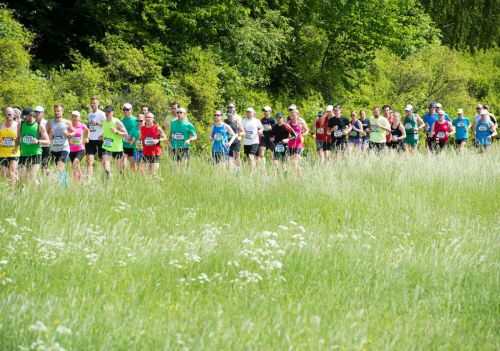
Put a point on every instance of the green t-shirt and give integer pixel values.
(111, 141)
(132, 128)
(377, 134)
(180, 131)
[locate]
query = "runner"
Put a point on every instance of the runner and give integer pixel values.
(222, 136)
(145, 110)
(412, 124)
(129, 143)
(320, 133)
(398, 133)
(429, 118)
(59, 130)
(171, 116)
(138, 157)
(40, 114)
(365, 134)
(296, 145)
(31, 136)
(379, 127)
(355, 135)
(233, 121)
(94, 147)
(485, 131)
(462, 126)
(182, 133)
(113, 133)
(267, 123)
(151, 136)
(442, 130)
(339, 128)
(253, 130)
(281, 134)
(389, 115)
(492, 119)
(77, 140)
(9, 149)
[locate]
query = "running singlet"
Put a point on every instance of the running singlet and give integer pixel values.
(29, 133)
(111, 142)
(148, 136)
(353, 135)
(441, 131)
(180, 131)
(297, 142)
(378, 134)
(76, 141)
(396, 132)
(219, 138)
(321, 126)
(251, 128)
(483, 132)
(8, 137)
(410, 124)
(461, 125)
(233, 123)
(130, 124)
(267, 124)
(95, 130)
(59, 140)
(366, 125)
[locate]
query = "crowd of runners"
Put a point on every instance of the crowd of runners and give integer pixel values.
(29, 142)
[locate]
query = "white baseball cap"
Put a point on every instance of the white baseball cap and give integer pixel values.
(409, 108)
(181, 109)
(460, 110)
(438, 105)
(127, 106)
(250, 109)
(292, 107)
(39, 109)
(75, 113)
(329, 108)
(267, 109)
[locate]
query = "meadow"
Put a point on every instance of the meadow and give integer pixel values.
(366, 253)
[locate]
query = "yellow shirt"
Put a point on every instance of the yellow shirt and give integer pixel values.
(8, 147)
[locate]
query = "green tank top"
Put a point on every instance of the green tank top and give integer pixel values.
(29, 132)
(111, 141)
(410, 125)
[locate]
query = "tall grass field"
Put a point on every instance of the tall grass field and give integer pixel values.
(366, 253)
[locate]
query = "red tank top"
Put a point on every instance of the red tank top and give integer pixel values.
(321, 129)
(147, 134)
(441, 130)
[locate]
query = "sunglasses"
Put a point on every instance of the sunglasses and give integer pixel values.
(126, 109)
(179, 112)
(218, 114)
(140, 120)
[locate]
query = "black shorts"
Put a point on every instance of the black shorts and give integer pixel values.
(59, 156)
(266, 142)
(151, 158)
(399, 146)
(94, 147)
(377, 146)
(76, 155)
(30, 160)
(6, 161)
(180, 154)
(235, 147)
(251, 149)
(429, 141)
(45, 156)
(322, 145)
(219, 156)
(338, 144)
(117, 155)
(460, 141)
(129, 152)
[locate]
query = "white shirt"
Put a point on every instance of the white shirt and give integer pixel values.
(95, 124)
(251, 128)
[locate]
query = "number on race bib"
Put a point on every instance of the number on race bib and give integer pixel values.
(337, 134)
(76, 140)
(107, 142)
(482, 128)
(441, 135)
(8, 142)
(320, 131)
(28, 139)
(178, 136)
(58, 140)
(217, 136)
(408, 126)
(279, 148)
(460, 125)
(149, 141)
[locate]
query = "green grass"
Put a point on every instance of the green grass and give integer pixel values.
(367, 253)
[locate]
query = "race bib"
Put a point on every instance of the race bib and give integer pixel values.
(28, 139)
(482, 128)
(441, 135)
(76, 140)
(249, 134)
(149, 141)
(279, 148)
(8, 142)
(338, 134)
(58, 140)
(408, 126)
(93, 128)
(320, 131)
(267, 127)
(178, 136)
(107, 142)
(218, 137)
(460, 125)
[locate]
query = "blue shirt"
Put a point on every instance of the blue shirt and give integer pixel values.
(483, 132)
(461, 125)
(429, 119)
(219, 139)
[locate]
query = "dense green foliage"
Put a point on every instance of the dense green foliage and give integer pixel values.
(205, 53)
(378, 257)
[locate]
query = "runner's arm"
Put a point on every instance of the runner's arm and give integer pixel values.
(85, 134)
(44, 137)
(230, 132)
(450, 125)
(403, 132)
(305, 129)
(420, 123)
(120, 129)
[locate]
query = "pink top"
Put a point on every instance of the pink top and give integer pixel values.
(298, 141)
(76, 141)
